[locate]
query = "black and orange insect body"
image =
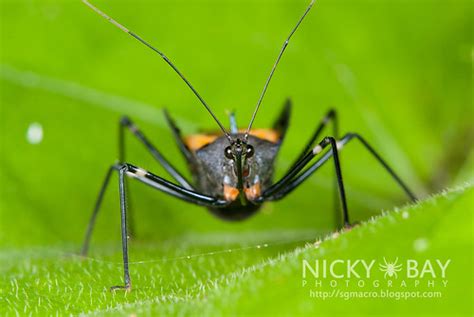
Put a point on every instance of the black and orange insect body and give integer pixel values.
(233, 170)
(236, 173)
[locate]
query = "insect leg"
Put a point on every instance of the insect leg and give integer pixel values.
(123, 223)
(90, 227)
(331, 116)
(155, 182)
(385, 166)
(178, 138)
(282, 122)
(296, 178)
(299, 166)
(175, 190)
(162, 185)
(126, 122)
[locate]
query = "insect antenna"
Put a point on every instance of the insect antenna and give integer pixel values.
(285, 44)
(167, 60)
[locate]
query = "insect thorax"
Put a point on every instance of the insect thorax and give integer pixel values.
(211, 169)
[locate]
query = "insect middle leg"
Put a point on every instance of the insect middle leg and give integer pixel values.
(153, 181)
(125, 122)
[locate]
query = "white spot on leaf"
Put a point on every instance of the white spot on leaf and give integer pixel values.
(34, 134)
(420, 245)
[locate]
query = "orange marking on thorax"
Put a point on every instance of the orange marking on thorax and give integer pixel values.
(230, 193)
(265, 134)
(196, 141)
(253, 192)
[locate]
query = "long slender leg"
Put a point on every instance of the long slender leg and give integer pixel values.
(294, 178)
(340, 185)
(386, 166)
(123, 223)
(158, 183)
(90, 227)
(290, 179)
(126, 122)
(297, 180)
(300, 165)
(155, 182)
(331, 116)
(286, 180)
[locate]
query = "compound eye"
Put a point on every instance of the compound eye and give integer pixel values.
(250, 151)
(228, 153)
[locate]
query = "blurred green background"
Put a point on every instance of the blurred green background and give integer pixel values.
(398, 72)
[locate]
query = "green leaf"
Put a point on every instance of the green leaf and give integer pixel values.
(226, 274)
(398, 73)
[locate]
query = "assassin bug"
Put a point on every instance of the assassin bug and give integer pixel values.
(232, 171)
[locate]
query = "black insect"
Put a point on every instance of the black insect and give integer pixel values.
(232, 170)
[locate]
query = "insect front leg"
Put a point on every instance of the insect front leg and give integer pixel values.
(123, 224)
(127, 124)
(330, 117)
(297, 175)
(272, 192)
(155, 182)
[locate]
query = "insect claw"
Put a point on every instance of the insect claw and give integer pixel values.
(350, 226)
(126, 288)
